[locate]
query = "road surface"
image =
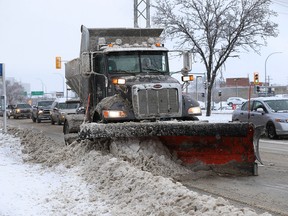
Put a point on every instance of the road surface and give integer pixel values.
(267, 192)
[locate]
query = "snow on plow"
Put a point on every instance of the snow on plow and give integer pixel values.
(226, 148)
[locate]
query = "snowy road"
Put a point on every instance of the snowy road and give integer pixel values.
(80, 182)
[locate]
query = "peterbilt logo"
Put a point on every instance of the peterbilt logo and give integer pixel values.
(157, 86)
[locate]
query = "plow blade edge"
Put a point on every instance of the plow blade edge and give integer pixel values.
(226, 148)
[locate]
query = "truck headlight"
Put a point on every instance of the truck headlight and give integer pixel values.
(113, 114)
(17, 110)
(194, 110)
(40, 111)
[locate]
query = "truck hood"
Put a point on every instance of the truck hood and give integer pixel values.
(142, 79)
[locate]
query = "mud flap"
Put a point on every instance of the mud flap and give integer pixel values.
(227, 148)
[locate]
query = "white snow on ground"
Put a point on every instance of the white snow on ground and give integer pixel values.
(41, 177)
(27, 189)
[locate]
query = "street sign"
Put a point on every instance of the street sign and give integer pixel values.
(37, 93)
(3, 97)
(1, 69)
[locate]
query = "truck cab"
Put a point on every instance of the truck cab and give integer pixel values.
(126, 73)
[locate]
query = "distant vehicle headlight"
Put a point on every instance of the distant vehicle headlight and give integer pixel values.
(281, 120)
(194, 110)
(17, 110)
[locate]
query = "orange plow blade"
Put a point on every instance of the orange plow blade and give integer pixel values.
(226, 148)
(225, 155)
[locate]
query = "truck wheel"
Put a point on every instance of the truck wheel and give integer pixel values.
(66, 127)
(33, 119)
(59, 122)
(38, 120)
(52, 121)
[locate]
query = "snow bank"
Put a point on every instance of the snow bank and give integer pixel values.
(130, 176)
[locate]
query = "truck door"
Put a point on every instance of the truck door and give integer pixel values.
(258, 113)
(98, 81)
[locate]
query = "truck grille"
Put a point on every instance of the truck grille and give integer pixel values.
(151, 103)
(46, 112)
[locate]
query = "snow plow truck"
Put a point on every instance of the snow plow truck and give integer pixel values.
(122, 78)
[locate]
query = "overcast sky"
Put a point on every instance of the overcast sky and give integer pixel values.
(34, 32)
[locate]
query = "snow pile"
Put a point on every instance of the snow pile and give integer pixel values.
(27, 189)
(131, 179)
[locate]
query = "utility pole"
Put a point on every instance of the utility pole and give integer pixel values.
(141, 10)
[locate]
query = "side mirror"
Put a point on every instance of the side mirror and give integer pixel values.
(187, 62)
(260, 109)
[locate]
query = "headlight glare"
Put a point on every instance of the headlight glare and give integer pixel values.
(194, 110)
(281, 120)
(113, 114)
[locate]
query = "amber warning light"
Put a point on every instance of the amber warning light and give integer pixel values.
(58, 62)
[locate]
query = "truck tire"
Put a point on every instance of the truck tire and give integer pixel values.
(66, 127)
(38, 120)
(33, 119)
(59, 121)
(52, 121)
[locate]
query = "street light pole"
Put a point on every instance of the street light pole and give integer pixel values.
(43, 90)
(265, 83)
(63, 81)
(197, 86)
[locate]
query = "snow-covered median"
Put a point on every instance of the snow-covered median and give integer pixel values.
(41, 177)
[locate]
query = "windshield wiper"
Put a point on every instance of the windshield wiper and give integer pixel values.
(282, 111)
(151, 70)
(124, 71)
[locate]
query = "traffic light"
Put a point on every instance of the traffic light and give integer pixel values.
(258, 88)
(256, 78)
(205, 85)
(219, 93)
(58, 62)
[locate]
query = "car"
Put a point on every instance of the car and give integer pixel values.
(235, 100)
(62, 107)
(2, 111)
(9, 111)
(21, 110)
(41, 111)
(270, 112)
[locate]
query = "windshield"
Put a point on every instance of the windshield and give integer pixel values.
(138, 62)
(68, 105)
(45, 103)
(23, 106)
(278, 105)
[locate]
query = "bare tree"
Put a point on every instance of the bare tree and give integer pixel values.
(215, 30)
(14, 92)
